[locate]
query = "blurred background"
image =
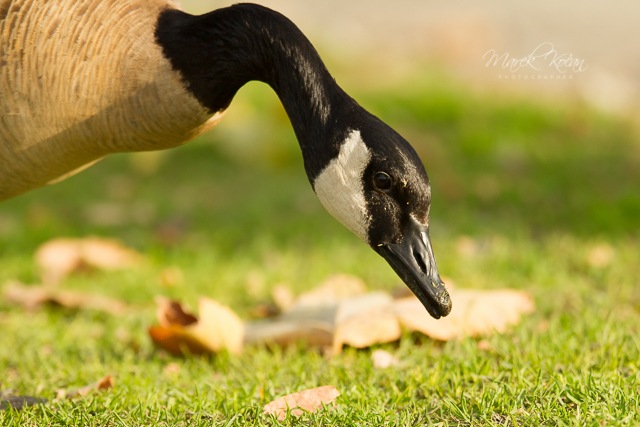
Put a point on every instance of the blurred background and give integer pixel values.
(529, 160)
(457, 35)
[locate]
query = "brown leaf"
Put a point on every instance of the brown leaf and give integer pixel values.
(104, 383)
(59, 258)
(32, 297)
(310, 325)
(364, 321)
(358, 322)
(177, 341)
(311, 318)
(219, 327)
(474, 313)
(179, 332)
(170, 312)
(304, 401)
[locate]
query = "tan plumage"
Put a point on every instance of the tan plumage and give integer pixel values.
(80, 79)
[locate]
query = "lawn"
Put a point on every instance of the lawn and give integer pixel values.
(532, 195)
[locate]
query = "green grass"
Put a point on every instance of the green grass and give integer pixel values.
(524, 193)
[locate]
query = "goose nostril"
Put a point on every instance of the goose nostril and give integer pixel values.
(420, 261)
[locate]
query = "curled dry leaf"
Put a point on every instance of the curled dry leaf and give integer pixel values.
(104, 383)
(296, 404)
(59, 258)
(32, 297)
(474, 313)
(180, 332)
(170, 312)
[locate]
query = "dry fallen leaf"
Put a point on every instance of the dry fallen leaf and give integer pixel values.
(359, 322)
(179, 332)
(103, 384)
(304, 401)
(312, 325)
(474, 313)
(32, 297)
(58, 258)
(364, 321)
(170, 312)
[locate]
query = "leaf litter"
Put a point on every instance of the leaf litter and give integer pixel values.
(339, 312)
(181, 333)
(58, 258)
(105, 383)
(8, 400)
(33, 297)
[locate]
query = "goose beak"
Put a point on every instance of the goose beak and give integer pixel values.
(413, 260)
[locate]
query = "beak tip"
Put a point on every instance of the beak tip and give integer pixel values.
(443, 303)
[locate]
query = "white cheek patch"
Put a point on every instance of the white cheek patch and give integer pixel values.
(339, 186)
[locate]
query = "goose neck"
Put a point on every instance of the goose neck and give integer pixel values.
(217, 53)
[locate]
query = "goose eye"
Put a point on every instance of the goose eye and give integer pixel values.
(382, 181)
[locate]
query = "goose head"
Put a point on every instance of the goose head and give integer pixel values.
(378, 188)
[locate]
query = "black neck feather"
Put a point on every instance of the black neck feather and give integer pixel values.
(219, 52)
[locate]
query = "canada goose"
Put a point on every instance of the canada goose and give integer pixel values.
(80, 79)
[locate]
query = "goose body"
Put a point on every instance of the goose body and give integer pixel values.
(80, 79)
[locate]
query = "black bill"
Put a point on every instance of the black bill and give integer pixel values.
(413, 260)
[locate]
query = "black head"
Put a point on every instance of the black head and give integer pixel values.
(377, 187)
